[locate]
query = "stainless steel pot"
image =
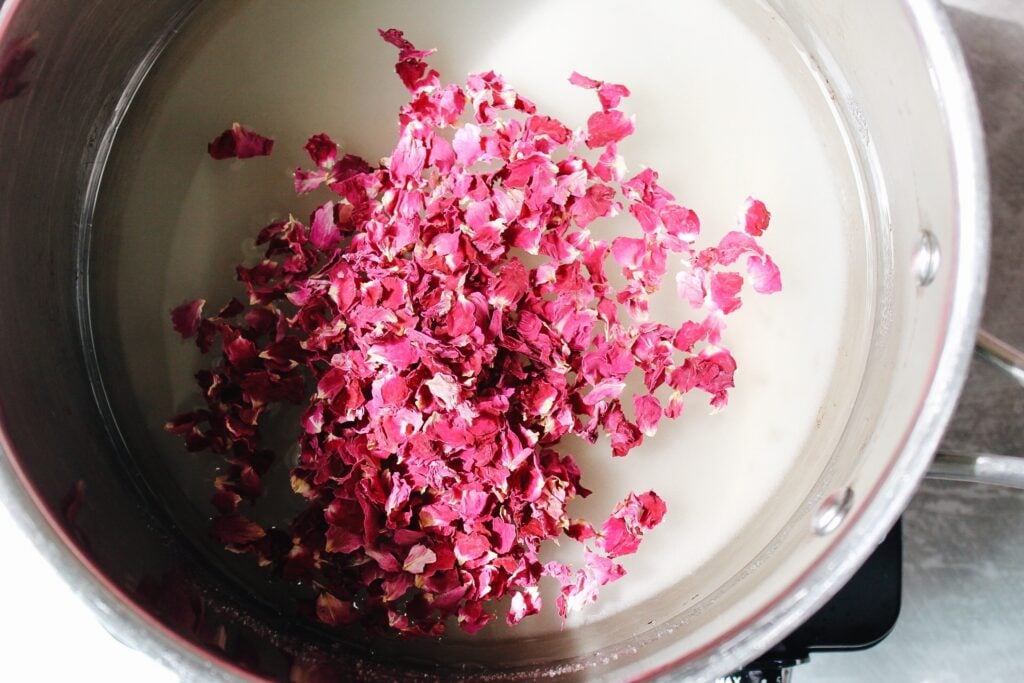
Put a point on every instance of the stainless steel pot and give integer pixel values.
(899, 85)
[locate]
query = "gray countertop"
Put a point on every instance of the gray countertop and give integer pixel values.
(963, 596)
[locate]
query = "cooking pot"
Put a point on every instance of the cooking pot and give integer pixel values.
(899, 86)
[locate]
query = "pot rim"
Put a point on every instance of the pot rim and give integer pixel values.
(119, 615)
(131, 625)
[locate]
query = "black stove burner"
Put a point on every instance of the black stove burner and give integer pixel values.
(860, 615)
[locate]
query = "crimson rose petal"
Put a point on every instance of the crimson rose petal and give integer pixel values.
(186, 318)
(239, 142)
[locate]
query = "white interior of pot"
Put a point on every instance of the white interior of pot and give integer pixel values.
(868, 98)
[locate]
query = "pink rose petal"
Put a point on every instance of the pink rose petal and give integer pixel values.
(523, 604)
(604, 128)
(755, 217)
(467, 145)
(648, 413)
(725, 289)
(323, 232)
(418, 558)
(764, 274)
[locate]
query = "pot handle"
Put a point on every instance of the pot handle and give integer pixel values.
(1000, 354)
(980, 468)
(986, 468)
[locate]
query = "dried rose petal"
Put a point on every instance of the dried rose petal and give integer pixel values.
(606, 127)
(648, 413)
(580, 588)
(756, 217)
(437, 372)
(610, 94)
(418, 558)
(582, 81)
(765, 274)
(239, 142)
(622, 531)
(13, 65)
(332, 611)
(725, 289)
(322, 150)
(524, 603)
(186, 318)
(323, 231)
(234, 529)
(72, 501)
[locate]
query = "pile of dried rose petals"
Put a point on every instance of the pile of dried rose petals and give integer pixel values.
(438, 372)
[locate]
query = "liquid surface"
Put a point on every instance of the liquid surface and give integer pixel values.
(719, 114)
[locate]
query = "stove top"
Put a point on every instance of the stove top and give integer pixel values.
(857, 617)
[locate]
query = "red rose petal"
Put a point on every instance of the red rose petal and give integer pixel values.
(13, 65)
(234, 529)
(622, 531)
(239, 142)
(322, 150)
(185, 318)
(333, 612)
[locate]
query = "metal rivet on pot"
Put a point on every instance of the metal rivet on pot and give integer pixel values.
(832, 512)
(927, 258)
